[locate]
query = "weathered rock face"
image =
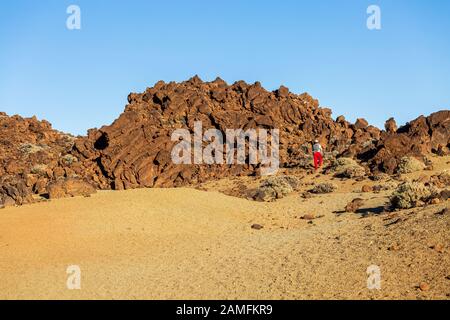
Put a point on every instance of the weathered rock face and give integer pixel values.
(391, 125)
(31, 155)
(419, 137)
(135, 151)
(69, 187)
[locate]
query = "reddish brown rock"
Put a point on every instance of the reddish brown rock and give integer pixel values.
(308, 216)
(419, 137)
(135, 150)
(391, 126)
(361, 123)
(69, 187)
(354, 205)
(423, 286)
(29, 155)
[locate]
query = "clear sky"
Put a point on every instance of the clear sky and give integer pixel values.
(79, 79)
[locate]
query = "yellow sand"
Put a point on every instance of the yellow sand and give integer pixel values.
(191, 244)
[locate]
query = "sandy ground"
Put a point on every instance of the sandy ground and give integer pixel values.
(193, 244)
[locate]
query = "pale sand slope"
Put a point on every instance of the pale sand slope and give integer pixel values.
(190, 244)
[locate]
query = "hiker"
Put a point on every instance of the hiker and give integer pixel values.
(317, 152)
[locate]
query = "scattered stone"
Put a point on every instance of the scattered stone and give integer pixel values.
(394, 247)
(354, 205)
(445, 195)
(444, 211)
(308, 216)
(306, 195)
(257, 226)
(423, 286)
(435, 201)
(438, 248)
(385, 186)
(366, 188)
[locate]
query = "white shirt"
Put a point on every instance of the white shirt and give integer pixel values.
(317, 147)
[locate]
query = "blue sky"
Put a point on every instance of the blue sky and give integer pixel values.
(80, 79)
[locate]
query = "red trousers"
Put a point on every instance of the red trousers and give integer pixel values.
(318, 160)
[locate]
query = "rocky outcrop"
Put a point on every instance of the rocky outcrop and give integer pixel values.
(69, 187)
(135, 150)
(391, 125)
(417, 138)
(31, 155)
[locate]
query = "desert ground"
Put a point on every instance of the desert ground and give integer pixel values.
(198, 243)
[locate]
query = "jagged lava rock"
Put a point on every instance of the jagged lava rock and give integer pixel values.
(30, 151)
(421, 136)
(135, 150)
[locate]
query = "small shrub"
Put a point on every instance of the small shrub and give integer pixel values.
(324, 188)
(276, 187)
(347, 168)
(68, 159)
(409, 164)
(29, 148)
(412, 194)
(39, 169)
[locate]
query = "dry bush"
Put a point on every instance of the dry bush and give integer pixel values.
(39, 169)
(347, 168)
(409, 165)
(412, 194)
(324, 188)
(29, 148)
(68, 159)
(276, 187)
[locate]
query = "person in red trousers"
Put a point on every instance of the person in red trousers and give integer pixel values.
(317, 152)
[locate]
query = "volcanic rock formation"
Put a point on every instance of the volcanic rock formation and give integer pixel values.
(32, 155)
(135, 150)
(417, 138)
